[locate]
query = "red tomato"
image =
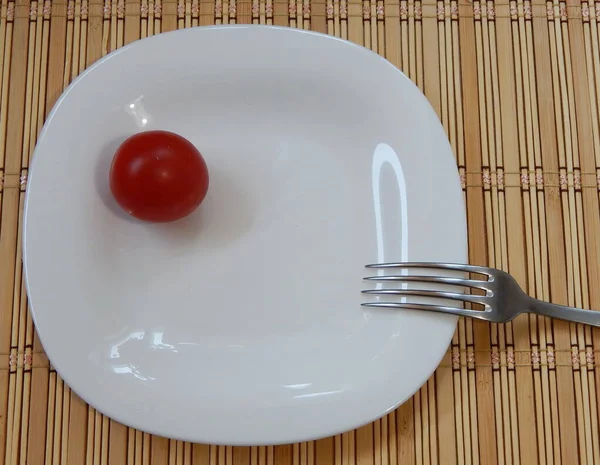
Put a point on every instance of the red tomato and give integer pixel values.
(158, 176)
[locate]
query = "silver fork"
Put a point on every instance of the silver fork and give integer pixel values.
(503, 300)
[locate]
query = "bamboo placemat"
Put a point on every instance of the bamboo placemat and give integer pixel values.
(517, 87)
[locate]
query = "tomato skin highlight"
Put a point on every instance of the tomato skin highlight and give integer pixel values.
(158, 176)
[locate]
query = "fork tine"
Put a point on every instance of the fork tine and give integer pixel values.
(432, 279)
(434, 265)
(476, 299)
(480, 314)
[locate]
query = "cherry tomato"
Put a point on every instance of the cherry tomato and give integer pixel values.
(158, 176)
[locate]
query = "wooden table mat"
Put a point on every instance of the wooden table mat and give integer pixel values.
(516, 85)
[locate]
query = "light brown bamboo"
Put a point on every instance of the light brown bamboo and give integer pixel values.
(517, 93)
(11, 379)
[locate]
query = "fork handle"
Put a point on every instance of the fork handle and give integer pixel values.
(576, 315)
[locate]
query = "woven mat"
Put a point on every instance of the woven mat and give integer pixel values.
(517, 87)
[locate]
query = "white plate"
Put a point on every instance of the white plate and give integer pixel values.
(242, 324)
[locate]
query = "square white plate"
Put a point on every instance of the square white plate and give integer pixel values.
(242, 324)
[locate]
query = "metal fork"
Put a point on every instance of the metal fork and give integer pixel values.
(503, 300)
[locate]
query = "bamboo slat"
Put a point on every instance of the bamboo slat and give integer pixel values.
(516, 84)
